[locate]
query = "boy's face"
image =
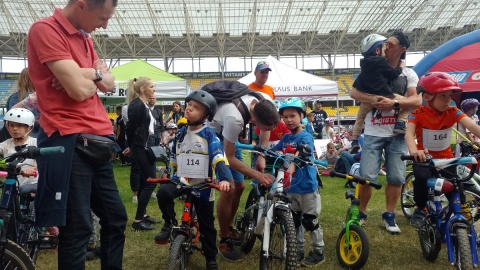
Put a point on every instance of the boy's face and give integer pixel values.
(292, 118)
(310, 118)
(331, 148)
(440, 101)
(17, 130)
(171, 131)
(195, 111)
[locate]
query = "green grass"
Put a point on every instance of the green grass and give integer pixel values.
(386, 251)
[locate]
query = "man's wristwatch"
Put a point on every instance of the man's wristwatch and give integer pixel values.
(99, 75)
(396, 105)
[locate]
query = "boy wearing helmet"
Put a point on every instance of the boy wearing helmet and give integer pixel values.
(432, 125)
(199, 143)
(170, 135)
(306, 204)
(375, 78)
(469, 108)
(19, 123)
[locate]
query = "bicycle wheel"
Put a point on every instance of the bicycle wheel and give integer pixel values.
(178, 257)
(29, 241)
(247, 223)
(354, 256)
(463, 253)
(407, 202)
(282, 249)
(430, 240)
(15, 258)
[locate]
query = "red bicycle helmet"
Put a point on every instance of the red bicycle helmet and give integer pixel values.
(437, 82)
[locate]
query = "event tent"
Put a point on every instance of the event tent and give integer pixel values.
(168, 87)
(288, 82)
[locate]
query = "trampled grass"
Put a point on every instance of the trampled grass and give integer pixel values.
(386, 251)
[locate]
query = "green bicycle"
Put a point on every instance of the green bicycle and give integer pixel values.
(352, 246)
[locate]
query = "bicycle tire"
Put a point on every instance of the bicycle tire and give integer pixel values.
(248, 224)
(282, 237)
(430, 240)
(178, 256)
(356, 255)
(406, 200)
(463, 253)
(30, 242)
(15, 258)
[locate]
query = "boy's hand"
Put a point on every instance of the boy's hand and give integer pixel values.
(224, 186)
(265, 179)
(420, 155)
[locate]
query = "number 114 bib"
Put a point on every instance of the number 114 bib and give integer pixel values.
(192, 165)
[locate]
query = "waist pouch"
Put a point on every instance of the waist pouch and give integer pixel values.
(95, 149)
(157, 153)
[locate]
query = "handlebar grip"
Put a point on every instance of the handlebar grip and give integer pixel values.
(249, 147)
(157, 180)
(55, 150)
(356, 178)
(3, 174)
(320, 162)
(407, 157)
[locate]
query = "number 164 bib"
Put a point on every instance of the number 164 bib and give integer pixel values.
(436, 140)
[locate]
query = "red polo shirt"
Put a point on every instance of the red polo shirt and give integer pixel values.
(54, 38)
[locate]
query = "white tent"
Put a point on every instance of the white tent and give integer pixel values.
(291, 82)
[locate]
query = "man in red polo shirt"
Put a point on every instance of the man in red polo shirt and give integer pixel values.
(66, 72)
(261, 76)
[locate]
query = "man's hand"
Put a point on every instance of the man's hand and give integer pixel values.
(126, 152)
(100, 65)
(265, 179)
(260, 163)
(224, 186)
(383, 104)
(57, 85)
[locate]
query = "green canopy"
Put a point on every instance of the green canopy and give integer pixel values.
(140, 68)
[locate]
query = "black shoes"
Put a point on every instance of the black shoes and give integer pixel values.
(142, 226)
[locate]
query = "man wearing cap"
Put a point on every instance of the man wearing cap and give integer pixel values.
(319, 119)
(261, 76)
(379, 135)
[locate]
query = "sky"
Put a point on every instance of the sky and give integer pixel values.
(12, 65)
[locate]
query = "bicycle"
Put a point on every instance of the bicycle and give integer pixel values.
(184, 237)
(472, 187)
(352, 245)
(268, 216)
(451, 223)
(17, 229)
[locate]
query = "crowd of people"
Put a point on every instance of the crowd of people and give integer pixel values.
(65, 71)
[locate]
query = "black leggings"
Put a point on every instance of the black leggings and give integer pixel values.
(145, 189)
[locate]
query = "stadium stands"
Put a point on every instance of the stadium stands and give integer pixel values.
(7, 87)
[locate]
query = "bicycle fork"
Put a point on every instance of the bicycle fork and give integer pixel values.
(268, 221)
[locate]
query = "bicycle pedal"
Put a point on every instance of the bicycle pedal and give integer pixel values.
(47, 241)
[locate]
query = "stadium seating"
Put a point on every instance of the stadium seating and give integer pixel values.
(7, 87)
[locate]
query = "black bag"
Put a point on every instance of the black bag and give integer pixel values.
(231, 91)
(157, 153)
(95, 149)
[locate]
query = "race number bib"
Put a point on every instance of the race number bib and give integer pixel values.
(436, 140)
(192, 165)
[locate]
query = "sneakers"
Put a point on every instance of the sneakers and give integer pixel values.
(93, 254)
(314, 258)
(134, 199)
(399, 127)
(355, 147)
(163, 237)
(418, 218)
(228, 251)
(151, 220)
(212, 265)
(142, 226)
(390, 224)
(363, 218)
(300, 257)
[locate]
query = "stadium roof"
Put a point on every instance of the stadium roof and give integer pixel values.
(244, 28)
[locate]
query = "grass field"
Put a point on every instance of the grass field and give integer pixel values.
(386, 251)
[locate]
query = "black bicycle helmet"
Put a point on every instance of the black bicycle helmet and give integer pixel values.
(206, 99)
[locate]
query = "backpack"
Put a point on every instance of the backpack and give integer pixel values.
(231, 91)
(340, 166)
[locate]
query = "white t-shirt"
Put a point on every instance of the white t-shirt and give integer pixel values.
(7, 148)
(228, 120)
(383, 126)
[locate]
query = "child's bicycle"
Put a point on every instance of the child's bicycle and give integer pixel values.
(452, 223)
(16, 224)
(268, 215)
(184, 238)
(352, 246)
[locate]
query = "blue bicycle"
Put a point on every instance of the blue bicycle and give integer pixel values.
(452, 223)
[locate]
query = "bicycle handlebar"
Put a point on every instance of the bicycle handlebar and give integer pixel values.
(262, 150)
(33, 152)
(355, 178)
(177, 182)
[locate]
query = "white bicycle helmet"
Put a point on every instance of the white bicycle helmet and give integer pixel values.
(171, 126)
(22, 116)
(370, 43)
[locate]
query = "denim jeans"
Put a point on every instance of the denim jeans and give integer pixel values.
(92, 187)
(371, 161)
